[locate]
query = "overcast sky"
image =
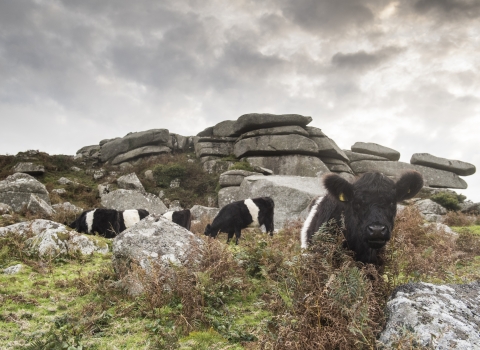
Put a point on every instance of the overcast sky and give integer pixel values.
(403, 74)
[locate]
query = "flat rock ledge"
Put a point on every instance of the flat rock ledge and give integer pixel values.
(437, 316)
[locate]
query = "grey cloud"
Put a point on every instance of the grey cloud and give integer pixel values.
(362, 60)
(449, 9)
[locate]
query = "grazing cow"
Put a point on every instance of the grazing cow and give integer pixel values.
(180, 217)
(236, 216)
(368, 206)
(107, 222)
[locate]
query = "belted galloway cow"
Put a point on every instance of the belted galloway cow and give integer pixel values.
(368, 205)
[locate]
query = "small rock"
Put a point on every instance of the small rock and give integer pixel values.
(5, 209)
(29, 168)
(130, 182)
(175, 183)
(98, 174)
(64, 181)
(36, 205)
(12, 270)
(59, 191)
(149, 175)
(76, 169)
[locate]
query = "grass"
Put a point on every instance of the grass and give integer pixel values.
(262, 294)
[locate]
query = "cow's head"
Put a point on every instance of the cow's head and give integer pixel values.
(209, 231)
(370, 205)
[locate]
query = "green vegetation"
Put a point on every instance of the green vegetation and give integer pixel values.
(244, 165)
(448, 200)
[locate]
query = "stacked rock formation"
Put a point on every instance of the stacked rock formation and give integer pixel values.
(282, 143)
(135, 146)
(437, 172)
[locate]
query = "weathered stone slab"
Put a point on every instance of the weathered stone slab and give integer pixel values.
(88, 151)
(130, 182)
(376, 150)
(328, 148)
(224, 129)
(313, 131)
(36, 205)
(355, 157)
(336, 165)
(207, 132)
(297, 165)
(253, 121)
(234, 177)
(154, 137)
(200, 212)
(141, 152)
(279, 130)
(455, 166)
(275, 145)
(29, 168)
(217, 166)
(16, 189)
(431, 177)
(219, 149)
(291, 194)
(435, 316)
(228, 195)
(128, 199)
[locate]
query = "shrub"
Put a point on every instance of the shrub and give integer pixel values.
(164, 173)
(453, 218)
(447, 200)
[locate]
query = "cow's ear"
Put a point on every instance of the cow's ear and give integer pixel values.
(408, 185)
(338, 187)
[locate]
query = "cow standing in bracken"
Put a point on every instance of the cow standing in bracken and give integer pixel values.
(236, 216)
(368, 206)
(107, 222)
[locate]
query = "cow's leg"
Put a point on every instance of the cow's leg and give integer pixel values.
(230, 236)
(238, 231)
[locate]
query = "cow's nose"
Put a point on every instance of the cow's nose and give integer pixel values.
(377, 231)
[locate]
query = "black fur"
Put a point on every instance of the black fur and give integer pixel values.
(182, 218)
(235, 216)
(106, 222)
(369, 206)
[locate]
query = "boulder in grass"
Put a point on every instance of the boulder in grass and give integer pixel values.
(48, 238)
(13, 270)
(434, 316)
(454, 166)
(253, 121)
(16, 190)
(154, 242)
(200, 212)
(376, 150)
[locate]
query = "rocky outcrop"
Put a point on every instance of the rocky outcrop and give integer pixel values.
(434, 316)
(376, 150)
(224, 129)
(454, 166)
(355, 157)
(279, 130)
(274, 145)
(130, 182)
(128, 199)
(140, 152)
(155, 137)
(295, 165)
(253, 121)
(213, 146)
(50, 238)
(432, 177)
(29, 168)
(229, 195)
(17, 189)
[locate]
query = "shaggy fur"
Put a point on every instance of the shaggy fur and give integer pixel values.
(368, 206)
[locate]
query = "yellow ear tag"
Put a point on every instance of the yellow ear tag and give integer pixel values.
(342, 197)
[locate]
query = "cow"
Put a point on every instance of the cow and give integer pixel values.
(180, 217)
(368, 207)
(107, 222)
(251, 212)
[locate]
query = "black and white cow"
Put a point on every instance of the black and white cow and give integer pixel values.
(236, 216)
(369, 206)
(180, 217)
(107, 222)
